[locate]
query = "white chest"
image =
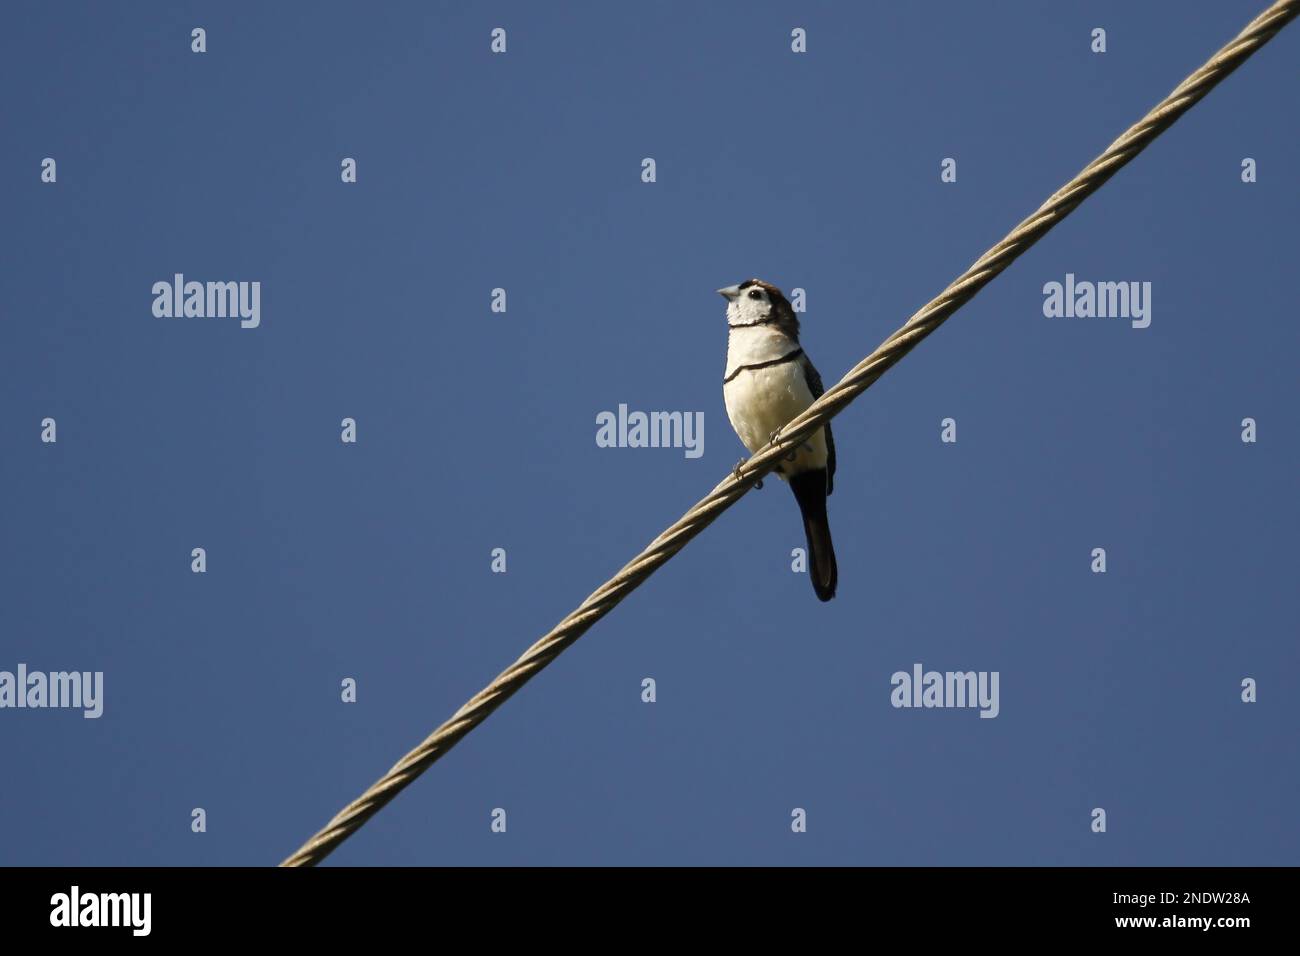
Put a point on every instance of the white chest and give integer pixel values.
(759, 401)
(752, 345)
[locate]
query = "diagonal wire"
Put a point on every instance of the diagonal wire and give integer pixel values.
(348, 820)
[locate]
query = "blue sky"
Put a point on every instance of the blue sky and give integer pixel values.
(476, 430)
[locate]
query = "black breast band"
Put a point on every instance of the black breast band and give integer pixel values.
(757, 365)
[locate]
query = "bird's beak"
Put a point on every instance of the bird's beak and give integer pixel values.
(730, 292)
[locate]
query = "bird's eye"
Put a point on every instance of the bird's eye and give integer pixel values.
(755, 294)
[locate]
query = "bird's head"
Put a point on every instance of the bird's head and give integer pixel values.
(758, 303)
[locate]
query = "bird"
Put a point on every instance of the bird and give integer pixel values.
(767, 381)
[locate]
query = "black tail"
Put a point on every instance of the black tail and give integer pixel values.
(810, 491)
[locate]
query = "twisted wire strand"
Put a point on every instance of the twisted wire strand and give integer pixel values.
(348, 820)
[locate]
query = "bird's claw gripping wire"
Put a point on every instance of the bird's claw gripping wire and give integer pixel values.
(776, 437)
(735, 473)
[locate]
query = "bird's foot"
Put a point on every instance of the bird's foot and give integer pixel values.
(735, 473)
(776, 437)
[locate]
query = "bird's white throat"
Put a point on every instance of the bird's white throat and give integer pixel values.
(752, 344)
